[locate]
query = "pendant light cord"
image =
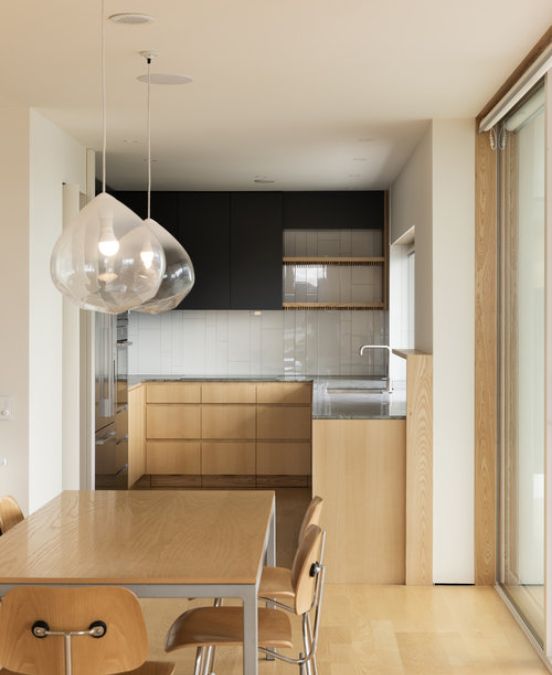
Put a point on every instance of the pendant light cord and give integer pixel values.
(149, 137)
(104, 99)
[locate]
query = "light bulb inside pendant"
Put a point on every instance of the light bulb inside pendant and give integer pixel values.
(108, 244)
(147, 256)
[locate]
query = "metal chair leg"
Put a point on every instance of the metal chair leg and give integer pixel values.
(208, 660)
(197, 662)
(313, 663)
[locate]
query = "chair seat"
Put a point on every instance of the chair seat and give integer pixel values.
(276, 583)
(203, 626)
(147, 668)
(153, 668)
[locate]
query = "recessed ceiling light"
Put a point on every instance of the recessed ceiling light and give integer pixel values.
(131, 18)
(263, 181)
(165, 78)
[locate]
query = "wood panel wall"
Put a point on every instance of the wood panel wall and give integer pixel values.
(486, 361)
(419, 470)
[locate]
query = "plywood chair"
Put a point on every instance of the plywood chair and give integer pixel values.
(276, 581)
(88, 631)
(10, 514)
(208, 627)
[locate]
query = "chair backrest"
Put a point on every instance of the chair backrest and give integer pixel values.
(311, 517)
(123, 647)
(304, 571)
(10, 514)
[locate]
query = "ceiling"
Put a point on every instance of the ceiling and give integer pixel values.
(314, 94)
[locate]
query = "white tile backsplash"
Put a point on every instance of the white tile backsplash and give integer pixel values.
(241, 342)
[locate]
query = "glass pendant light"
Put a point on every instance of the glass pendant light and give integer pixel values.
(108, 259)
(179, 276)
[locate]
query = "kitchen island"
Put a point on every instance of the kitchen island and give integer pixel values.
(339, 435)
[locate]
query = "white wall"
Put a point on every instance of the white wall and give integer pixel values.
(435, 193)
(453, 350)
(14, 282)
(411, 206)
(55, 158)
(36, 158)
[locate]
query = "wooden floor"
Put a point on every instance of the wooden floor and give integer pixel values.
(389, 630)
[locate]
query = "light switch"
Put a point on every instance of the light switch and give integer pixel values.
(6, 408)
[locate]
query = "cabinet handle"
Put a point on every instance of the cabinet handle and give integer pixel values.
(104, 439)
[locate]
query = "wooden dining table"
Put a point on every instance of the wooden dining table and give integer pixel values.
(162, 544)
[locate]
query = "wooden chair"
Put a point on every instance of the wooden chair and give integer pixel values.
(276, 581)
(10, 514)
(89, 631)
(209, 627)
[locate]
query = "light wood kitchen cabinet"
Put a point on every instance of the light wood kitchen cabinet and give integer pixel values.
(173, 421)
(284, 393)
(359, 469)
(224, 434)
(136, 433)
(283, 458)
(228, 392)
(284, 422)
(228, 422)
(225, 458)
(174, 457)
(174, 392)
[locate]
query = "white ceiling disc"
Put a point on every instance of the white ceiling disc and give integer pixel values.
(165, 78)
(131, 18)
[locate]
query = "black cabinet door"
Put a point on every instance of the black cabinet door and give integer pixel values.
(256, 246)
(135, 200)
(333, 210)
(164, 206)
(204, 231)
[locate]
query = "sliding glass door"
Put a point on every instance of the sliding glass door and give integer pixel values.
(522, 360)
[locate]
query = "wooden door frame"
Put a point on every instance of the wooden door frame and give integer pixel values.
(486, 335)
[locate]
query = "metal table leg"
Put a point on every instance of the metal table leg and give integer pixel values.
(250, 631)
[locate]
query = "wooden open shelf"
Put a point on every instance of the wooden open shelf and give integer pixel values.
(333, 260)
(333, 305)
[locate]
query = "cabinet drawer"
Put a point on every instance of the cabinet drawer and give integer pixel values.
(174, 392)
(283, 459)
(284, 392)
(226, 458)
(173, 457)
(284, 422)
(229, 422)
(173, 421)
(228, 392)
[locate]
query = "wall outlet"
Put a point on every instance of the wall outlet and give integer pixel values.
(6, 408)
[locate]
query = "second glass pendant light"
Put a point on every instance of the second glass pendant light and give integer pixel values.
(179, 276)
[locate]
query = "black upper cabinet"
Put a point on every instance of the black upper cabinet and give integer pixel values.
(235, 239)
(135, 200)
(256, 249)
(333, 210)
(164, 207)
(204, 231)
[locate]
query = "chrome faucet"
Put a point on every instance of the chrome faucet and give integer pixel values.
(363, 348)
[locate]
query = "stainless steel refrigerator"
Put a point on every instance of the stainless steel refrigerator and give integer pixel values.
(111, 409)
